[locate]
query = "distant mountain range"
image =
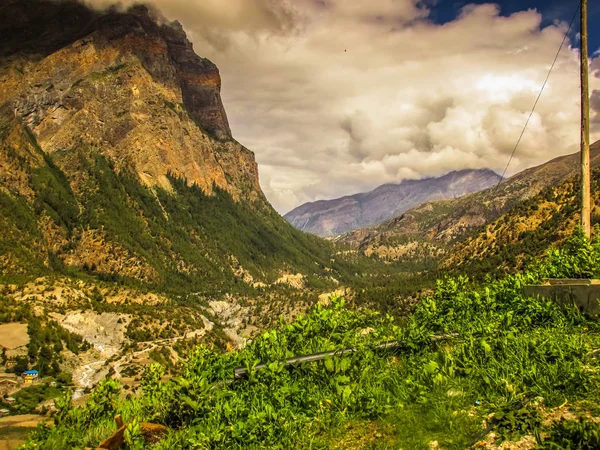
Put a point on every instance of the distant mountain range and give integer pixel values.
(338, 216)
(444, 230)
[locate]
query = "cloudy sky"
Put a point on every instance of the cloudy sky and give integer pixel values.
(337, 97)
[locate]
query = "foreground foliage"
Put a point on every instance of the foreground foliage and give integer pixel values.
(514, 360)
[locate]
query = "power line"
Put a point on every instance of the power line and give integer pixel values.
(540, 94)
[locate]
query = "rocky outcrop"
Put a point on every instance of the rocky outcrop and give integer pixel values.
(200, 82)
(122, 83)
(334, 217)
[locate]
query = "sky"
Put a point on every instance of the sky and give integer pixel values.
(337, 97)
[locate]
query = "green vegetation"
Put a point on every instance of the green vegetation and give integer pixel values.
(570, 435)
(394, 294)
(578, 258)
(514, 360)
(20, 239)
(13, 311)
(54, 195)
(47, 339)
(28, 399)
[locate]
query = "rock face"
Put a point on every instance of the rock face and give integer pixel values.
(116, 159)
(334, 217)
(121, 83)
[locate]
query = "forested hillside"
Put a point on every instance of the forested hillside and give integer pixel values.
(113, 226)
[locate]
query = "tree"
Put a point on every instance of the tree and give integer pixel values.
(32, 351)
(54, 368)
(64, 378)
(21, 364)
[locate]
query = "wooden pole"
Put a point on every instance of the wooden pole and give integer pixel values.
(585, 127)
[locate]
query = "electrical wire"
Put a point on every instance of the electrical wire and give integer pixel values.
(540, 94)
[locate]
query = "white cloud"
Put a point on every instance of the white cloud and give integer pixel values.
(340, 96)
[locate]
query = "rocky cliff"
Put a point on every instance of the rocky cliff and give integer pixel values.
(125, 85)
(117, 160)
(334, 217)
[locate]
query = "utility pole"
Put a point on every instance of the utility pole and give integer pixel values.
(585, 127)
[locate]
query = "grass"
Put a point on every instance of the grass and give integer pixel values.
(15, 433)
(514, 360)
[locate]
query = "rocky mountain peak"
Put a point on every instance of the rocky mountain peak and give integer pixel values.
(198, 78)
(126, 84)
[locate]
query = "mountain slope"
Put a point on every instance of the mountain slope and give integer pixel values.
(440, 224)
(333, 217)
(523, 234)
(116, 159)
(130, 87)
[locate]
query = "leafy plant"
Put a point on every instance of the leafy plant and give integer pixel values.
(496, 351)
(133, 436)
(103, 400)
(516, 419)
(570, 435)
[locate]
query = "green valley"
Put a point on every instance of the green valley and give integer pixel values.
(519, 369)
(141, 262)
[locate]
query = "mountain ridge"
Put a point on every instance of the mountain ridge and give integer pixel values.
(438, 225)
(88, 89)
(337, 216)
(117, 161)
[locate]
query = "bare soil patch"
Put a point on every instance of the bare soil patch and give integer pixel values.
(14, 430)
(13, 335)
(23, 421)
(11, 444)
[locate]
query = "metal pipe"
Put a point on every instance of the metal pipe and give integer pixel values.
(241, 373)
